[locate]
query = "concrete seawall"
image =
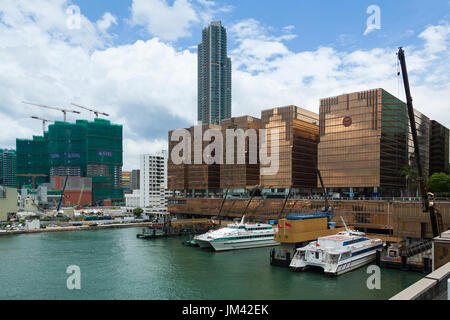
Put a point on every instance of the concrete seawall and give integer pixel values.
(431, 287)
(78, 228)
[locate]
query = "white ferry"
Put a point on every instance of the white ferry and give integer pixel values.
(337, 254)
(238, 236)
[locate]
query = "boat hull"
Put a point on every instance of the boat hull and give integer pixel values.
(237, 245)
(204, 244)
(352, 265)
(341, 268)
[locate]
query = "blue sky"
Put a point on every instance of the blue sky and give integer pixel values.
(316, 23)
(136, 59)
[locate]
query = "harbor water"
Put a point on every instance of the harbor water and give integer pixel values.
(114, 264)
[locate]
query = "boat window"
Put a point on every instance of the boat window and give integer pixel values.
(346, 243)
(333, 258)
(345, 255)
(317, 255)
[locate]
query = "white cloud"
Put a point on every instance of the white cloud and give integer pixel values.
(143, 85)
(106, 21)
(162, 20)
(268, 74)
(436, 37)
(208, 10)
(289, 28)
(150, 87)
(135, 148)
(256, 47)
(171, 22)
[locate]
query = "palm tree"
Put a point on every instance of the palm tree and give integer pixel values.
(410, 174)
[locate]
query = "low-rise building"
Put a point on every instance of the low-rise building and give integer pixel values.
(133, 200)
(8, 202)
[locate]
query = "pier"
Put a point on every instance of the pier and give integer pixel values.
(77, 228)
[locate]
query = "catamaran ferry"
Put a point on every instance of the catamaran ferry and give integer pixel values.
(337, 254)
(238, 236)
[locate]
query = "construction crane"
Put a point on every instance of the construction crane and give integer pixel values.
(96, 112)
(427, 197)
(221, 207)
(62, 195)
(280, 215)
(325, 193)
(254, 191)
(44, 121)
(53, 108)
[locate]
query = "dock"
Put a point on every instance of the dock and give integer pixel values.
(76, 228)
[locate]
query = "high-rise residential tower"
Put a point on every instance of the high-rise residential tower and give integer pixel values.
(8, 168)
(153, 181)
(214, 75)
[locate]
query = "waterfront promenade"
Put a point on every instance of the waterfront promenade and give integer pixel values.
(77, 228)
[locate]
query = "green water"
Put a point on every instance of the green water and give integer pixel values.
(116, 265)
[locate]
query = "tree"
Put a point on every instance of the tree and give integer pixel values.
(138, 212)
(410, 174)
(439, 182)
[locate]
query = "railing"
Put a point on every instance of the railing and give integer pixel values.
(401, 199)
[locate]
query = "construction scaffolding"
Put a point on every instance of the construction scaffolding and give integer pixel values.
(81, 149)
(32, 161)
(402, 219)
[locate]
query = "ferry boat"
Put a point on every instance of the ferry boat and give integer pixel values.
(238, 236)
(337, 254)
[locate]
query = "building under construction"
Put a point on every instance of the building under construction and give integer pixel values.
(80, 149)
(77, 190)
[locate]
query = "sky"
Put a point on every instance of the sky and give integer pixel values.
(137, 59)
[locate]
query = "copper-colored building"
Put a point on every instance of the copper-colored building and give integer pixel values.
(439, 148)
(235, 175)
(193, 176)
(366, 145)
(298, 136)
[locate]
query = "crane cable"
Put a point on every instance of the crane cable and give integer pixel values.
(398, 78)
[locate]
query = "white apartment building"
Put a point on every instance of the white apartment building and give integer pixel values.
(133, 200)
(153, 183)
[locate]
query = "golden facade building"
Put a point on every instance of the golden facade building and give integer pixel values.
(297, 133)
(439, 148)
(192, 175)
(366, 146)
(241, 176)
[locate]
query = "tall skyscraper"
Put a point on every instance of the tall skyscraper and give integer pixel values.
(214, 75)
